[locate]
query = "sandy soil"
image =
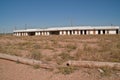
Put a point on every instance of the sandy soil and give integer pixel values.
(15, 71)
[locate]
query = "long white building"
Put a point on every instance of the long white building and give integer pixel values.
(76, 30)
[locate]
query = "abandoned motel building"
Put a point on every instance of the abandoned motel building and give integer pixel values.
(74, 30)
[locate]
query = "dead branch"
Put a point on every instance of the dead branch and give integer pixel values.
(94, 64)
(26, 61)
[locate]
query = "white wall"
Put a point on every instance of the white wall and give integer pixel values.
(91, 32)
(112, 31)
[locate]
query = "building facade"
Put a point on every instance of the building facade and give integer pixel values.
(76, 30)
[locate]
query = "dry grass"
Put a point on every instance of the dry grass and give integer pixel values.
(85, 47)
(67, 70)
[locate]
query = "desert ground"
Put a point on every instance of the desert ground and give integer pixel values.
(57, 50)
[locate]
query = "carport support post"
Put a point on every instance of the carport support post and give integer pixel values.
(68, 32)
(75, 32)
(48, 33)
(60, 32)
(64, 32)
(101, 32)
(72, 33)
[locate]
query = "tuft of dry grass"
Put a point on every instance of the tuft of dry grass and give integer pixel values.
(36, 55)
(67, 70)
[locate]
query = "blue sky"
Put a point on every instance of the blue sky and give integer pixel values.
(50, 13)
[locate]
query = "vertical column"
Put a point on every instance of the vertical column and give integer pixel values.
(48, 33)
(60, 32)
(101, 31)
(64, 32)
(42, 33)
(106, 32)
(79, 32)
(83, 32)
(91, 31)
(23, 34)
(39, 33)
(87, 32)
(96, 31)
(16, 34)
(19, 34)
(68, 33)
(35, 33)
(75, 32)
(72, 33)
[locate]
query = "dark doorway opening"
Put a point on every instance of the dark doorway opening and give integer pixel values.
(85, 32)
(117, 31)
(31, 33)
(81, 32)
(70, 32)
(54, 32)
(98, 31)
(103, 31)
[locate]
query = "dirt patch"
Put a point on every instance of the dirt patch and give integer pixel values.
(15, 71)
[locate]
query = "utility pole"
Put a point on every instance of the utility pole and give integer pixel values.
(71, 22)
(15, 28)
(25, 26)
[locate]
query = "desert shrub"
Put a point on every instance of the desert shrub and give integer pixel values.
(118, 45)
(61, 58)
(106, 71)
(79, 54)
(36, 46)
(36, 66)
(67, 70)
(36, 55)
(114, 56)
(48, 58)
(66, 56)
(86, 48)
(48, 47)
(71, 47)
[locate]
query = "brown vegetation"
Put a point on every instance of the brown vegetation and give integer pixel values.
(92, 47)
(58, 49)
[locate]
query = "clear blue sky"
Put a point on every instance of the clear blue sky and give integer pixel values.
(48, 13)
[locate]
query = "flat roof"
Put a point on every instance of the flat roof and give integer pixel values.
(69, 28)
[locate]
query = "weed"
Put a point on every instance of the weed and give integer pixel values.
(36, 55)
(36, 46)
(106, 71)
(118, 45)
(36, 66)
(66, 56)
(67, 70)
(78, 54)
(71, 47)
